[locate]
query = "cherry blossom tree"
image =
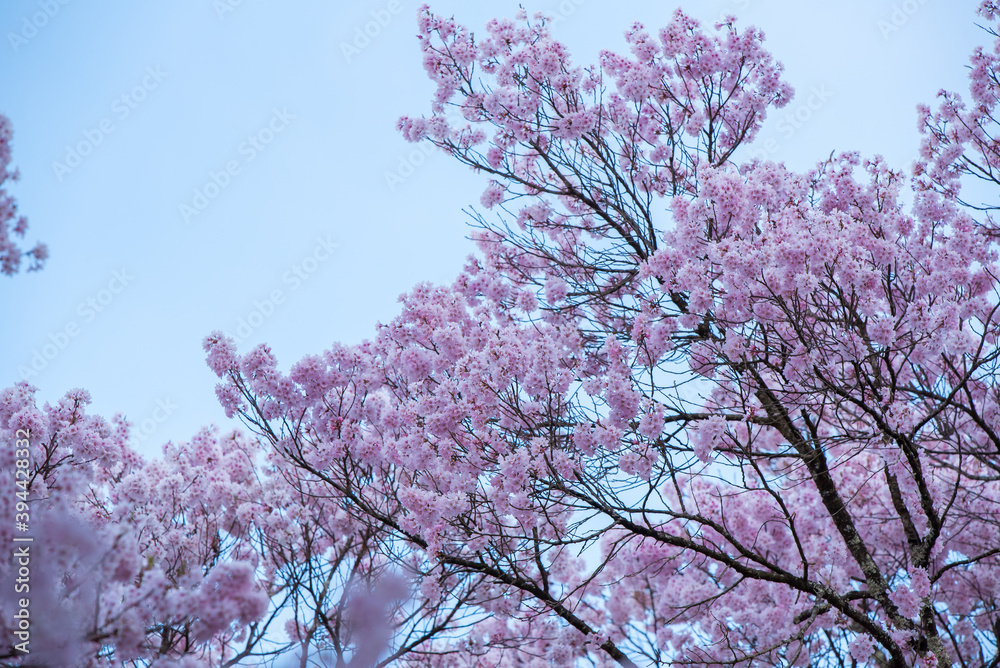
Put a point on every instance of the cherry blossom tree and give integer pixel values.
(679, 409)
(206, 556)
(126, 561)
(13, 226)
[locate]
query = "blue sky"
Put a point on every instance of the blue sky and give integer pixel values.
(242, 171)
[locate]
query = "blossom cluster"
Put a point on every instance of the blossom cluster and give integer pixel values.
(13, 226)
(677, 410)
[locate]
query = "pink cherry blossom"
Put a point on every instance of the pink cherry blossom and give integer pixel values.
(13, 227)
(675, 411)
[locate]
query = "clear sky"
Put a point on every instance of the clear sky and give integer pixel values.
(233, 165)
